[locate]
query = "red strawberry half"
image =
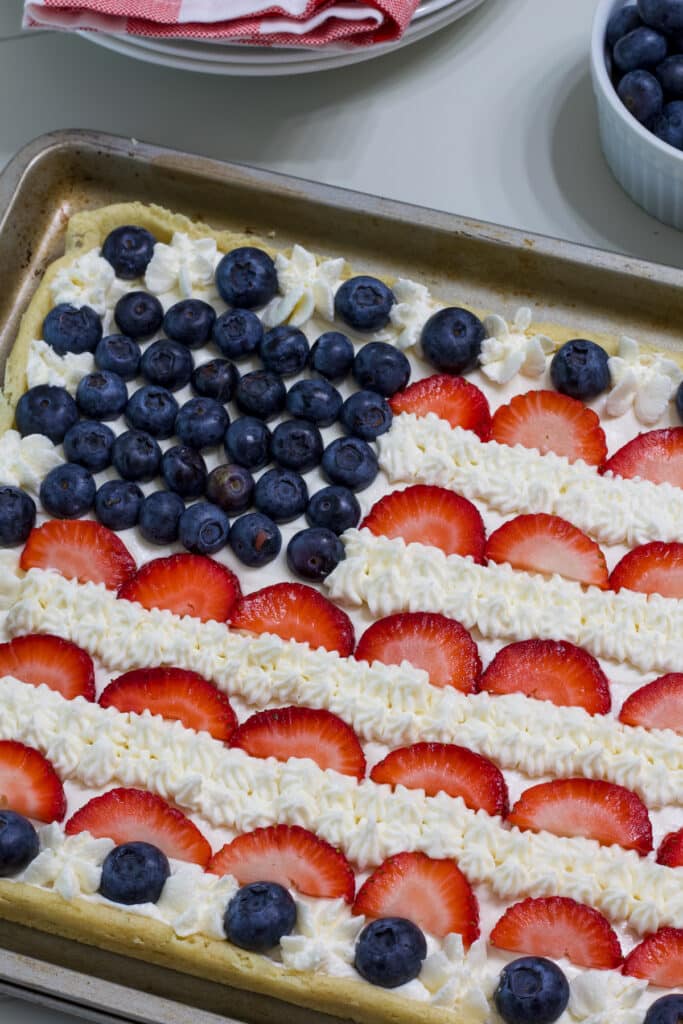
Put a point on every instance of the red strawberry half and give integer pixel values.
(590, 808)
(659, 705)
(553, 670)
(656, 455)
(556, 927)
(670, 852)
(433, 894)
(440, 646)
(134, 815)
(654, 568)
(295, 611)
(429, 515)
(29, 784)
(80, 550)
(58, 663)
(173, 693)
(291, 856)
(452, 398)
(444, 767)
(302, 732)
(658, 958)
(551, 422)
(548, 544)
(186, 585)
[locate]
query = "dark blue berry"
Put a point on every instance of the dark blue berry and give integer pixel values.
(152, 409)
(168, 364)
(136, 455)
(46, 410)
(332, 356)
(17, 516)
(247, 442)
(364, 303)
(314, 553)
(642, 48)
(622, 21)
(255, 539)
(381, 367)
(19, 843)
(129, 249)
(67, 492)
(668, 126)
(203, 528)
(281, 494)
(184, 471)
(451, 340)
(118, 504)
(314, 400)
(89, 443)
(202, 422)
(665, 1010)
(261, 394)
(334, 508)
(670, 76)
(665, 15)
(138, 315)
(190, 322)
(579, 369)
(350, 462)
(531, 990)
(297, 444)
(159, 517)
(230, 487)
(366, 414)
(246, 278)
(390, 951)
(101, 395)
(238, 333)
(216, 379)
(120, 354)
(68, 329)
(134, 873)
(679, 402)
(641, 94)
(284, 350)
(259, 915)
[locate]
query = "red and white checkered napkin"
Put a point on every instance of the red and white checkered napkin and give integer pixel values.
(288, 23)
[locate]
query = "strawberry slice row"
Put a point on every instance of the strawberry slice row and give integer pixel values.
(658, 705)
(29, 784)
(42, 658)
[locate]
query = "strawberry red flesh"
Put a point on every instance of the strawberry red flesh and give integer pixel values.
(658, 958)
(79, 549)
(295, 611)
(670, 852)
(185, 585)
(551, 422)
(42, 658)
(29, 784)
(429, 515)
(451, 398)
(654, 568)
(658, 705)
(557, 927)
(548, 544)
(656, 455)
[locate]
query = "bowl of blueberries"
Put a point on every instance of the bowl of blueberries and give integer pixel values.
(637, 68)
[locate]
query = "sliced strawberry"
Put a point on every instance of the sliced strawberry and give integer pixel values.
(659, 705)
(548, 544)
(656, 455)
(79, 549)
(670, 852)
(556, 927)
(41, 658)
(185, 585)
(173, 693)
(302, 732)
(553, 670)
(453, 399)
(29, 784)
(429, 515)
(654, 568)
(590, 808)
(295, 611)
(658, 958)
(551, 422)
(446, 768)
(291, 856)
(433, 894)
(134, 815)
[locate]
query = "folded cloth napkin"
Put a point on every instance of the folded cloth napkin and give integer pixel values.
(289, 23)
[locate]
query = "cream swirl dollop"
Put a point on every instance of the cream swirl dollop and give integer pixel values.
(413, 307)
(184, 266)
(505, 352)
(645, 381)
(25, 461)
(324, 938)
(71, 865)
(306, 286)
(45, 366)
(88, 280)
(605, 997)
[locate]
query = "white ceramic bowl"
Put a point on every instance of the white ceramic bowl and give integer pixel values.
(647, 168)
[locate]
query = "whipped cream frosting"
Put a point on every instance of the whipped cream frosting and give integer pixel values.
(645, 381)
(505, 352)
(25, 461)
(186, 265)
(307, 288)
(45, 366)
(413, 307)
(88, 280)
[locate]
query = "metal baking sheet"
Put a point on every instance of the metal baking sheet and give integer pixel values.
(480, 264)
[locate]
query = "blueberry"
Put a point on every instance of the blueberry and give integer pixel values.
(261, 394)
(314, 400)
(231, 488)
(68, 329)
(190, 322)
(281, 494)
(46, 410)
(332, 356)
(350, 462)
(665, 1010)
(167, 363)
(247, 442)
(216, 379)
(118, 504)
(531, 990)
(120, 354)
(159, 517)
(679, 401)
(670, 76)
(314, 553)
(67, 492)
(665, 15)
(139, 315)
(334, 508)
(246, 278)
(238, 333)
(284, 350)
(642, 48)
(390, 951)
(202, 422)
(641, 94)
(184, 471)
(579, 369)
(89, 443)
(668, 126)
(152, 409)
(255, 539)
(381, 367)
(17, 516)
(366, 414)
(134, 873)
(19, 843)
(622, 21)
(297, 444)
(101, 395)
(364, 303)
(129, 249)
(203, 528)
(259, 915)
(451, 340)
(136, 455)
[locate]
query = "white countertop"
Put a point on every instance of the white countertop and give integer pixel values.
(492, 118)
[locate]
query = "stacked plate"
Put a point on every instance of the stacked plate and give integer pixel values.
(217, 58)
